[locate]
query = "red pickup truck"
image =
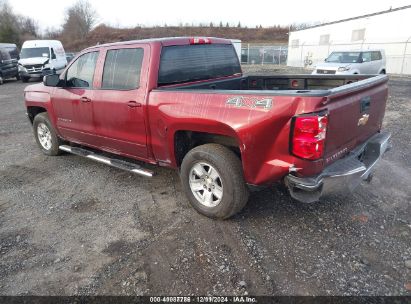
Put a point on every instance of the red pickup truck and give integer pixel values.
(184, 103)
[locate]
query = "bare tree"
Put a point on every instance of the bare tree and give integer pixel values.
(304, 25)
(15, 28)
(9, 31)
(28, 26)
(80, 19)
(52, 33)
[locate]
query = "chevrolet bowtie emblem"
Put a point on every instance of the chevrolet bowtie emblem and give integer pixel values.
(363, 120)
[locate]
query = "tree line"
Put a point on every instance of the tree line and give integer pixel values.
(80, 18)
(80, 29)
(15, 28)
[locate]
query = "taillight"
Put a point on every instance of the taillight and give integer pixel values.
(308, 137)
(199, 40)
(295, 84)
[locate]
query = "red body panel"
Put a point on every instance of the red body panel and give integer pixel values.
(147, 132)
(262, 135)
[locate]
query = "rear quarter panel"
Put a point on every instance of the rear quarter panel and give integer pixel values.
(262, 134)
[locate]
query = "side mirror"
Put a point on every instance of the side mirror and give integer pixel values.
(325, 60)
(360, 60)
(51, 80)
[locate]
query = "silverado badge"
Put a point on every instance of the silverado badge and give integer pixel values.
(363, 120)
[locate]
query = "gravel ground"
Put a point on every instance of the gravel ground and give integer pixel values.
(71, 226)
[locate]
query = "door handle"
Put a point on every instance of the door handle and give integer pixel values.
(134, 104)
(85, 99)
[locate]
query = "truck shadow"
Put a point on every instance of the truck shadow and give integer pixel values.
(275, 201)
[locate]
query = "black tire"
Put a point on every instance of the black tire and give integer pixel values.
(25, 79)
(383, 72)
(234, 190)
(41, 120)
(18, 77)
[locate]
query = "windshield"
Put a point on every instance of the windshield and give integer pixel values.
(344, 57)
(35, 52)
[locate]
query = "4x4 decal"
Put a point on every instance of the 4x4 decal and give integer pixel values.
(250, 102)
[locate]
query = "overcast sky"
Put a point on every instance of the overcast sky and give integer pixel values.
(128, 13)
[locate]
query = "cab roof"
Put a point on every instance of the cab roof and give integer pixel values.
(168, 41)
(41, 43)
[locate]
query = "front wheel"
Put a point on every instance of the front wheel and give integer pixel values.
(46, 136)
(25, 79)
(212, 179)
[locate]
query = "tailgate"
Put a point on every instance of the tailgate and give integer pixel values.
(356, 112)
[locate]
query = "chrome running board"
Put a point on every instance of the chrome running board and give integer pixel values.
(116, 163)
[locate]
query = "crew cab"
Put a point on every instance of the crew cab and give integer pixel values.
(184, 103)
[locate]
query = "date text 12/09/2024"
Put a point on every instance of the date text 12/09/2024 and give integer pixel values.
(204, 299)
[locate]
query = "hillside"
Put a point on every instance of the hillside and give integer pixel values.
(104, 34)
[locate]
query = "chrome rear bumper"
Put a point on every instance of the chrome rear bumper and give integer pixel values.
(342, 176)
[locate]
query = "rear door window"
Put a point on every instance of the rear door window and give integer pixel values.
(376, 56)
(366, 56)
(185, 63)
(81, 73)
(122, 69)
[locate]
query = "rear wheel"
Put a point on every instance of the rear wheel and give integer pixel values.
(46, 136)
(18, 77)
(212, 178)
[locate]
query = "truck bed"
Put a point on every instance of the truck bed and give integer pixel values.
(299, 84)
(232, 103)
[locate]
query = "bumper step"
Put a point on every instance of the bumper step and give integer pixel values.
(344, 175)
(117, 163)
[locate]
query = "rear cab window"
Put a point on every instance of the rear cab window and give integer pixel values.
(186, 63)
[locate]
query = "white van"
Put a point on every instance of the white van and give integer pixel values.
(41, 57)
